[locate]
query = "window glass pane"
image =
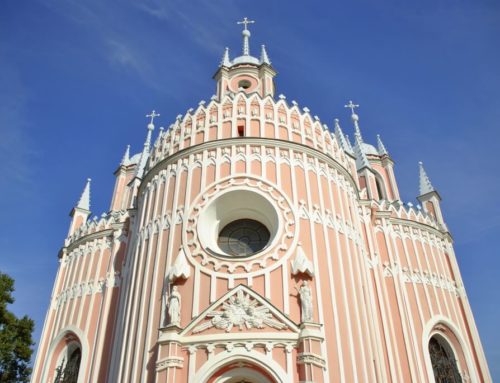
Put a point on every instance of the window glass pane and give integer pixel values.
(243, 237)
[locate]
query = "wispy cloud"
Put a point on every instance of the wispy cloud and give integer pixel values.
(203, 22)
(122, 39)
(16, 147)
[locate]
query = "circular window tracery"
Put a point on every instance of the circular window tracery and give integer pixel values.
(243, 237)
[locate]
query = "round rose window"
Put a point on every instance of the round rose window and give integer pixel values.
(243, 237)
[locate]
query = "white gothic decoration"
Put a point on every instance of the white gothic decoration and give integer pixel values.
(180, 269)
(240, 310)
(301, 264)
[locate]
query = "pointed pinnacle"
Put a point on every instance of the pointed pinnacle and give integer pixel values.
(84, 202)
(425, 185)
(381, 147)
(145, 153)
(126, 157)
(348, 140)
(361, 159)
(341, 138)
(225, 58)
(264, 58)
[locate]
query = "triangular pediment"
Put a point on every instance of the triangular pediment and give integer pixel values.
(241, 309)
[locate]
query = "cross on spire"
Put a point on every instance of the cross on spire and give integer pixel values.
(351, 106)
(153, 114)
(245, 22)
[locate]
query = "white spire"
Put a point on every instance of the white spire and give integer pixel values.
(361, 159)
(147, 145)
(264, 58)
(246, 35)
(84, 202)
(381, 147)
(225, 58)
(341, 138)
(425, 182)
(126, 157)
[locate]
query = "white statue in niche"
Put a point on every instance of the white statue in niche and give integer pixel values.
(174, 307)
(306, 302)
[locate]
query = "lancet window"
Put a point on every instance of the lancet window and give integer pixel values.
(444, 364)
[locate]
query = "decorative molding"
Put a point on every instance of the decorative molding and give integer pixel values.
(279, 249)
(336, 163)
(301, 264)
(240, 310)
(86, 288)
(422, 277)
(181, 268)
(237, 307)
(310, 358)
(170, 362)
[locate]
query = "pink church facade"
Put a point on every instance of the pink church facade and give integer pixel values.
(250, 243)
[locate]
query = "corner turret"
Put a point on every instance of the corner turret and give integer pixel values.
(429, 197)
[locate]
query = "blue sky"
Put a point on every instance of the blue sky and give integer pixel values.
(77, 78)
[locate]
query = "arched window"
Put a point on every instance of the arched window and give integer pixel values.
(67, 371)
(444, 364)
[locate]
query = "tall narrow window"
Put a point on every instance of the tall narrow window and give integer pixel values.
(443, 361)
(380, 188)
(241, 130)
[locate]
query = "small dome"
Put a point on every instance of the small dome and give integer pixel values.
(134, 160)
(369, 149)
(246, 59)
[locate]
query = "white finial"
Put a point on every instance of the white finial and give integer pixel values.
(147, 145)
(225, 58)
(126, 157)
(245, 22)
(380, 146)
(84, 202)
(361, 159)
(425, 185)
(264, 58)
(153, 114)
(352, 106)
(246, 35)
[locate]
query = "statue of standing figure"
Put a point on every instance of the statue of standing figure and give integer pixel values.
(306, 302)
(174, 307)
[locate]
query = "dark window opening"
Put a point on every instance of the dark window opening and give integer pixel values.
(245, 84)
(243, 237)
(379, 189)
(241, 130)
(443, 361)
